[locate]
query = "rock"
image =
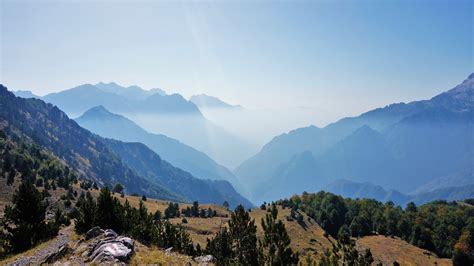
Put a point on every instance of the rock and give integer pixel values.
(110, 233)
(127, 241)
(111, 252)
(205, 259)
(110, 247)
(94, 232)
(54, 256)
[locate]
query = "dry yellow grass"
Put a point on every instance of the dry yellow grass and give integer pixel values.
(152, 255)
(152, 205)
(308, 239)
(200, 229)
(387, 250)
(28, 253)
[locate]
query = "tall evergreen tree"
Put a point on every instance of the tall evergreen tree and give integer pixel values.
(24, 221)
(242, 231)
(221, 247)
(275, 242)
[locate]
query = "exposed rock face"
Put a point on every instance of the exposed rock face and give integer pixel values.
(94, 232)
(205, 259)
(108, 246)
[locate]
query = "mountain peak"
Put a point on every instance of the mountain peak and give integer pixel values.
(97, 111)
(471, 76)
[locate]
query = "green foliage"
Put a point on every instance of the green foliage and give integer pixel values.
(148, 228)
(195, 211)
(344, 252)
(435, 226)
(236, 244)
(172, 210)
(32, 163)
(23, 224)
(221, 247)
(275, 242)
(118, 188)
(242, 231)
(226, 204)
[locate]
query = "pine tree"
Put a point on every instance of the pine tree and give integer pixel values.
(242, 231)
(87, 211)
(221, 247)
(24, 221)
(275, 242)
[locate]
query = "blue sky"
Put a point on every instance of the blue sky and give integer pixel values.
(335, 57)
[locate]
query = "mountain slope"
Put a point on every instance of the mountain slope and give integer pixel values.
(97, 158)
(104, 123)
(410, 145)
(149, 165)
(46, 125)
(206, 101)
(157, 112)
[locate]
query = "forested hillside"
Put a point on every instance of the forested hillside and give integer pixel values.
(94, 158)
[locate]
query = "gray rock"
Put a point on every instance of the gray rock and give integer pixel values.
(54, 256)
(205, 259)
(110, 233)
(94, 232)
(127, 241)
(111, 252)
(110, 247)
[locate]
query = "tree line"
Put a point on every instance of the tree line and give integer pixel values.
(172, 211)
(445, 228)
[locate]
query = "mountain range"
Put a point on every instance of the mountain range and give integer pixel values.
(367, 190)
(401, 146)
(106, 161)
(157, 112)
(106, 124)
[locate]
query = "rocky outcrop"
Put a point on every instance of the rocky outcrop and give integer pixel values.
(94, 232)
(108, 246)
(204, 260)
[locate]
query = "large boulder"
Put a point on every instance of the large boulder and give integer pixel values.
(110, 247)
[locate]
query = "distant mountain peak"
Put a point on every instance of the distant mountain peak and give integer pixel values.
(471, 76)
(97, 112)
(204, 100)
(25, 94)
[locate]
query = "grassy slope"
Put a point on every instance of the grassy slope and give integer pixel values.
(387, 250)
(307, 239)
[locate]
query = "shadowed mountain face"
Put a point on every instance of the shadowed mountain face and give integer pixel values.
(149, 165)
(401, 146)
(159, 113)
(49, 127)
(106, 161)
(104, 123)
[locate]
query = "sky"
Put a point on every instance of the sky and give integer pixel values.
(334, 58)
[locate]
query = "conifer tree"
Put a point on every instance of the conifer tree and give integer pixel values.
(275, 242)
(242, 231)
(24, 221)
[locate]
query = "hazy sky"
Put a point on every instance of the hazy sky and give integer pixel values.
(342, 57)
